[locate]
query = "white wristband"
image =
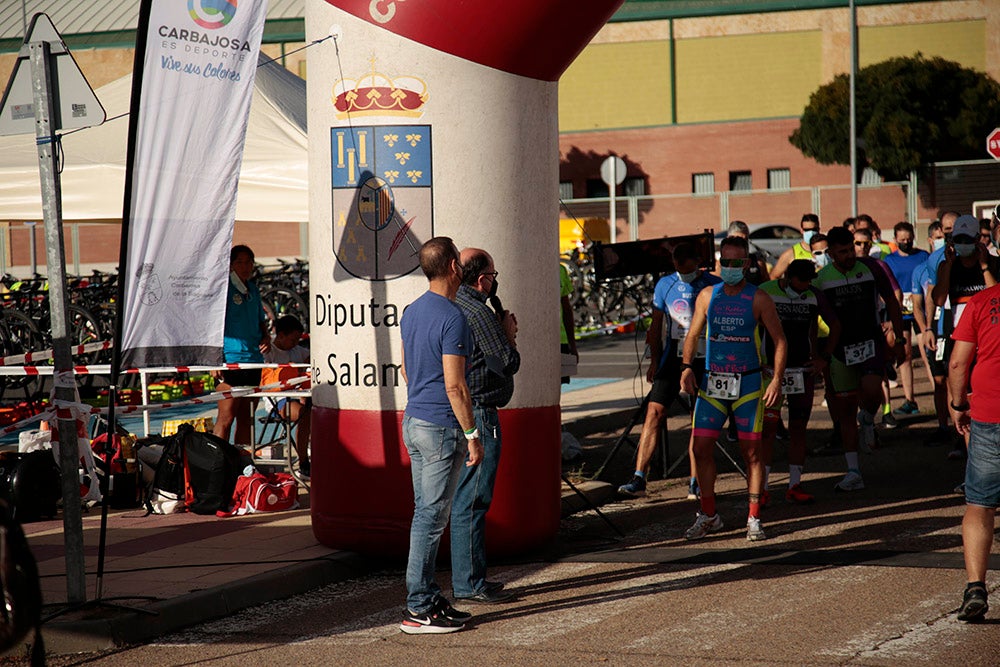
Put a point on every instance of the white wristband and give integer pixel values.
(474, 435)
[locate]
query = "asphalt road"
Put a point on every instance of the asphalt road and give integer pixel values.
(614, 356)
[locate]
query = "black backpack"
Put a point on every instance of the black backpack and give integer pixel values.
(21, 608)
(200, 468)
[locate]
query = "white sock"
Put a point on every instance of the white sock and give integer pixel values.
(767, 474)
(852, 460)
(794, 474)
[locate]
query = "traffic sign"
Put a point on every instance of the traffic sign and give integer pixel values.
(993, 144)
(613, 170)
(78, 105)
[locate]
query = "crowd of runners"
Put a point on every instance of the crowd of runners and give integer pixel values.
(847, 309)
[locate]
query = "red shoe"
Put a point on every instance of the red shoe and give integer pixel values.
(765, 499)
(796, 495)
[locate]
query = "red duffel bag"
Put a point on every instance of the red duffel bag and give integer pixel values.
(264, 493)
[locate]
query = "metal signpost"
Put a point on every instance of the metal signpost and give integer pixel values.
(47, 93)
(613, 173)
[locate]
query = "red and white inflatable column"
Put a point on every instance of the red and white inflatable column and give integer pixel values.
(432, 118)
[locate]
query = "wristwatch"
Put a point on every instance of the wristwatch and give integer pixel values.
(964, 407)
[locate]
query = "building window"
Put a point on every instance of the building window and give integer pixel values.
(740, 181)
(634, 186)
(703, 184)
(597, 188)
(779, 179)
(565, 190)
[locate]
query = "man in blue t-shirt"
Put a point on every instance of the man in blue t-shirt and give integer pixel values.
(673, 305)
(439, 429)
(903, 262)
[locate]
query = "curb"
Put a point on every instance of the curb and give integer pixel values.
(133, 627)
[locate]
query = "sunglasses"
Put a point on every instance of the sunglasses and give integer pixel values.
(862, 243)
(733, 263)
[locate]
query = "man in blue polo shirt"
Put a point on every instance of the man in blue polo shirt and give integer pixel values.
(903, 261)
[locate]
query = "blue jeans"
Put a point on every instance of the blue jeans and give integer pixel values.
(468, 512)
(437, 456)
(982, 470)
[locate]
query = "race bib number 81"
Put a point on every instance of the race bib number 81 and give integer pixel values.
(723, 385)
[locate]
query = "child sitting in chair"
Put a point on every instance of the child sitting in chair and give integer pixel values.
(285, 349)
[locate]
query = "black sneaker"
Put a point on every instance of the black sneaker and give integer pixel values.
(433, 622)
(974, 602)
(635, 488)
(782, 432)
(889, 421)
(443, 606)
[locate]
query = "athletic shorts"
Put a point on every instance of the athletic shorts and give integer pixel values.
(748, 410)
(667, 381)
(846, 379)
(982, 470)
(799, 405)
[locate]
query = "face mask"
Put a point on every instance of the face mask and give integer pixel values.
(938, 243)
(906, 247)
(965, 249)
(821, 260)
(807, 235)
(493, 288)
(688, 277)
(731, 275)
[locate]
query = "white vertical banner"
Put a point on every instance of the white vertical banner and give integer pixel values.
(190, 124)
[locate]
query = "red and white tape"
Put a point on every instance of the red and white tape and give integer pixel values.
(29, 357)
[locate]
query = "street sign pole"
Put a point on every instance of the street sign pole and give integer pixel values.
(613, 187)
(64, 378)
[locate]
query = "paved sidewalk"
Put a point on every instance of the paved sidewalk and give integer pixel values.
(197, 568)
(187, 568)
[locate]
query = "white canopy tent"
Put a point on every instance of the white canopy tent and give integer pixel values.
(274, 178)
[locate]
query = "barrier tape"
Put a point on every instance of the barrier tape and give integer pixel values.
(105, 369)
(29, 357)
(209, 398)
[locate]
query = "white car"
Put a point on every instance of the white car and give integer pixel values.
(768, 239)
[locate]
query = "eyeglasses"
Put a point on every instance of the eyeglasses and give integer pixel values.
(985, 235)
(492, 274)
(733, 263)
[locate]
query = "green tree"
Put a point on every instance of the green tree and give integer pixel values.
(910, 112)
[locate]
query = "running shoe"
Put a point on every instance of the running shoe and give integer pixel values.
(796, 495)
(960, 489)
(433, 622)
(907, 408)
(442, 605)
(635, 488)
(956, 454)
(754, 532)
(889, 421)
(694, 493)
(703, 525)
(975, 602)
(852, 482)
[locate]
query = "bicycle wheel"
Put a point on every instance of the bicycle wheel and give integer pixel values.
(281, 301)
(20, 335)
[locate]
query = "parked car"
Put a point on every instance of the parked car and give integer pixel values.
(768, 239)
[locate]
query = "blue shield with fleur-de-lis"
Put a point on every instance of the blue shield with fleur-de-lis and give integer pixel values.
(382, 198)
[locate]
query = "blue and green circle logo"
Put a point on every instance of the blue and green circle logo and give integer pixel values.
(212, 14)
